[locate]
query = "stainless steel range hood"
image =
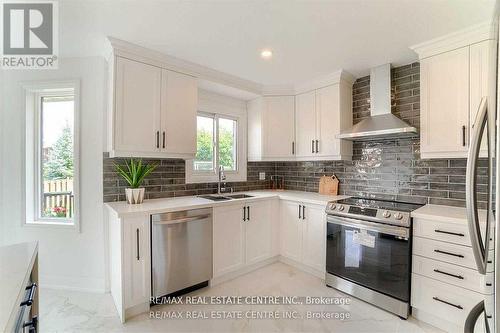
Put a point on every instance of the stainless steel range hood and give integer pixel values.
(381, 123)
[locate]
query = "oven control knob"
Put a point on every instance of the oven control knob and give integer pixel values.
(333, 206)
(398, 216)
(386, 214)
(341, 207)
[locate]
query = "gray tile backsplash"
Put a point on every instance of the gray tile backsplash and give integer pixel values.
(385, 169)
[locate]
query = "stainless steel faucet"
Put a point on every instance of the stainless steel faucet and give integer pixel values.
(222, 177)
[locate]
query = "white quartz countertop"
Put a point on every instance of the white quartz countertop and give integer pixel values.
(16, 263)
(154, 206)
(445, 213)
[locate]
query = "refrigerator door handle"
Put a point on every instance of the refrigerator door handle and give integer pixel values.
(480, 248)
(473, 316)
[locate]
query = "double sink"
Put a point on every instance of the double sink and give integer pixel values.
(220, 197)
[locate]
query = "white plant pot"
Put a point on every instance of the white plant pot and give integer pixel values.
(134, 195)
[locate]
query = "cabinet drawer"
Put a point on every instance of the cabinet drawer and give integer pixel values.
(441, 231)
(443, 300)
(451, 253)
(455, 233)
(453, 274)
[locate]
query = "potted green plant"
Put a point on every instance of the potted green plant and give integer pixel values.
(134, 173)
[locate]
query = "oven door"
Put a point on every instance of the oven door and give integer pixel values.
(373, 255)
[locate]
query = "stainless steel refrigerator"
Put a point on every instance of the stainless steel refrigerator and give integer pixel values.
(485, 235)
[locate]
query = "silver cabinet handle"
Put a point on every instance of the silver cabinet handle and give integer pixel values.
(317, 149)
(137, 239)
(183, 220)
(479, 248)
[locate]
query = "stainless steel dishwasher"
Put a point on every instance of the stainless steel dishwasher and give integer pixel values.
(181, 247)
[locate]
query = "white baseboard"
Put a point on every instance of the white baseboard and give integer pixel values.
(72, 283)
(229, 276)
(438, 322)
(302, 267)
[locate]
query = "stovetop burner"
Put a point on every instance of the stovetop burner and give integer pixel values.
(380, 211)
(380, 204)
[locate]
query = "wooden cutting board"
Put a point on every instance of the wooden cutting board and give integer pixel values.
(329, 185)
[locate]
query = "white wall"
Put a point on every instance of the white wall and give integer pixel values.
(67, 258)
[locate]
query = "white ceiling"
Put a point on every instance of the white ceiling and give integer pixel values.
(308, 38)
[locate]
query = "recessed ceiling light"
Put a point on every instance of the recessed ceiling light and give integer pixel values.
(266, 54)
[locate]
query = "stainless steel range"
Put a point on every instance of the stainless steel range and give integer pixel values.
(369, 251)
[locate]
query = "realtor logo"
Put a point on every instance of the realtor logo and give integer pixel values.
(29, 37)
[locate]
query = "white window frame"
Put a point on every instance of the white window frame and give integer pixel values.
(34, 92)
(217, 107)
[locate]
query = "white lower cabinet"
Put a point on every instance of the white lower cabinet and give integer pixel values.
(242, 235)
(130, 264)
(445, 282)
(303, 234)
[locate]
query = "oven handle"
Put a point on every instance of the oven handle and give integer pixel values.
(371, 226)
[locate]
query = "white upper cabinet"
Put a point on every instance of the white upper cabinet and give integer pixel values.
(303, 126)
(152, 111)
(333, 114)
(445, 104)
(305, 123)
(178, 117)
(455, 74)
(271, 128)
(137, 106)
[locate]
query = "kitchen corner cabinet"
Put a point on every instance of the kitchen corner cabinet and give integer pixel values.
(243, 235)
(301, 127)
(271, 128)
(152, 111)
(320, 115)
(130, 263)
(452, 85)
(303, 234)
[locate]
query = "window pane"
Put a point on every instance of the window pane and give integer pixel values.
(204, 160)
(227, 143)
(57, 137)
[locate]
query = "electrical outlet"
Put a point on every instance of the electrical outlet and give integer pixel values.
(262, 176)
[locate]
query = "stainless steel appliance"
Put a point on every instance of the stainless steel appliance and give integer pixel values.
(368, 251)
(485, 237)
(181, 249)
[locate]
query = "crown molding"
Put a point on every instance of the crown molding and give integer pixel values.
(471, 35)
(118, 47)
(323, 81)
(129, 50)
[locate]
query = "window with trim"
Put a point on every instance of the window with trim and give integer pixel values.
(51, 156)
(216, 143)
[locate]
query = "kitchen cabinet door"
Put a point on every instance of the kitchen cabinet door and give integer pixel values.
(258, 233)
(482, 81)
(305, 124)
(445, 104)
(178, 114)
(279, 127)
(136, 261)
(291, 231)
(228, 239)
(328, 120)
(313, 238)
(136, 122)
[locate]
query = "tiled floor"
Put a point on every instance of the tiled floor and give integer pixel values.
(68, 311)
